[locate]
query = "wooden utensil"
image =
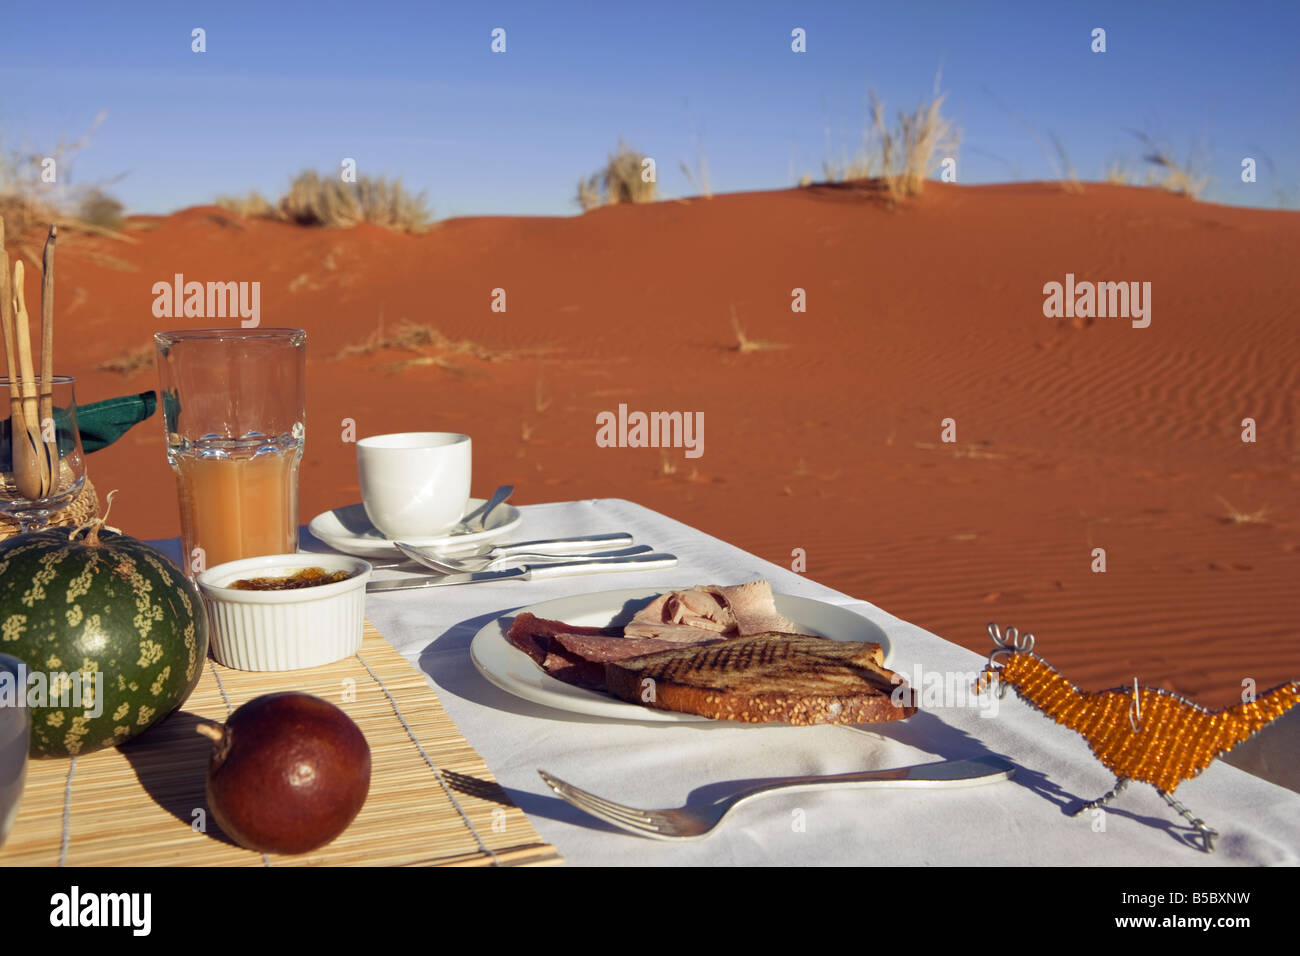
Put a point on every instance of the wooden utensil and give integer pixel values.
(27, 472)
(11, 345)
(31, 467)
(48, 446)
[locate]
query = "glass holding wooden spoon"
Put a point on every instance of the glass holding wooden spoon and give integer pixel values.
(57, 441)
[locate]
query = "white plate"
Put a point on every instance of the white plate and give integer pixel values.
(512, 670)
(349, 530)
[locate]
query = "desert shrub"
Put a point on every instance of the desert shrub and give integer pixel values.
(388, 204)
(100, 209)
(22, 213)
(623, 179)
(316, 200)
(619, 182)
(29, 203)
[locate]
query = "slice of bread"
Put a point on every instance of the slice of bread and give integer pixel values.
(766, 677)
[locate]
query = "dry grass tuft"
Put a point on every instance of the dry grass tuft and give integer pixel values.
(699, 176)
(430, 346)
(1185, 179)
(129, 362)
(903, 155)
(975, 450)
(388, 204)
(619, 182)
(1055, 152)
(1282, 192)
(316, 200)
(589, 192)
(1235, 516)
(744, 344)
(254, 204)
(1065, 171)
(624, 181)
(413, 337)
(1119, 174)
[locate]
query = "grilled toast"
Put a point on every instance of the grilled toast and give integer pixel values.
(766, 677)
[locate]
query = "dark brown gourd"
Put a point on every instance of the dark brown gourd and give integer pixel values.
(289, 773)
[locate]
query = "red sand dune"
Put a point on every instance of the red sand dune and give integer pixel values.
(1067, 438)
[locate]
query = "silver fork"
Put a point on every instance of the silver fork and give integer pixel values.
(690, 823)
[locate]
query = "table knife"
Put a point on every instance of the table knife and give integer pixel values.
(573, 545)
(536, 572)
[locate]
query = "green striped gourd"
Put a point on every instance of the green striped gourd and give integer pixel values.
(75, 604)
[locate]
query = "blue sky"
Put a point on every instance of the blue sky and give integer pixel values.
(413, 89)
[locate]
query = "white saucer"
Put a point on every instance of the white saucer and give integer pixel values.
(349, 530)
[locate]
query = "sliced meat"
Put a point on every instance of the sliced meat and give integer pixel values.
(755, 609)
(682, 616)
(700, 607)
(678, 634)
(729, 611)
(595, 648)
(577, 655)
(574, 670)
(532, 634)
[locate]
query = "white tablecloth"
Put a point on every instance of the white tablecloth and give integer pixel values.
(1021, 821)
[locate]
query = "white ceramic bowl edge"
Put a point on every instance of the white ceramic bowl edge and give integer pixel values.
(285, 630)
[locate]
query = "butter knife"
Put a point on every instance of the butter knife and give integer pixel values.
(574, 545)
(536, 572)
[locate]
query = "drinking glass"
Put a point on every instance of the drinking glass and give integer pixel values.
(34, 513)
(234, 410)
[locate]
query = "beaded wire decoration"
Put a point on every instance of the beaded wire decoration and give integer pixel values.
(1138, 733)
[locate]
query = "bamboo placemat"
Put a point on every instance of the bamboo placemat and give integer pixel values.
(432, 800)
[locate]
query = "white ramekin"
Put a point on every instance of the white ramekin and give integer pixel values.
(285, 630)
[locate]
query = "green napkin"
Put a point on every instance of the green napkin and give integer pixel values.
(102, 423)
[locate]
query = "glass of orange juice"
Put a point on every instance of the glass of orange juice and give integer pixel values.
(234, 409)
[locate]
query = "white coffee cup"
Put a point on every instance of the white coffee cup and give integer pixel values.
(414, 484)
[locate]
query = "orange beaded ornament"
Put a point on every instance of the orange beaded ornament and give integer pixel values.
(1138, 733)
